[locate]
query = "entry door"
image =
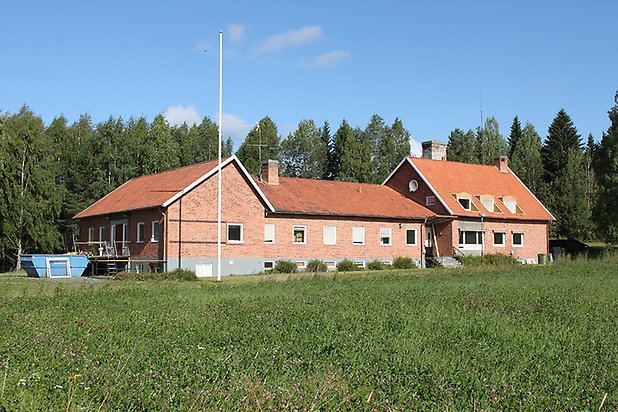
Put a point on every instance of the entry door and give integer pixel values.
(428, 241)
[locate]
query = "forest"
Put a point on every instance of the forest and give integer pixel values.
(51, 172)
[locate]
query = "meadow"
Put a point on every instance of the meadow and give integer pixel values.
(488, 338)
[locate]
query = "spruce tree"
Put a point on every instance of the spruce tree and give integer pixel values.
(299, 152)
(525, 161)
(262, 143)
(489, 142)
(461, 147)
(515, 137)
(331, 170)
(392, 148)
(352, 154)
(562, 137)
(606, 168)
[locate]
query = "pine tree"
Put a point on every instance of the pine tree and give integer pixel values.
(461, 147)
(562, 137)
(525, 161)
(515, 137)
(606, 168)
(262, 143)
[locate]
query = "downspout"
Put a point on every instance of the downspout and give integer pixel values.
(180, 233)
(422, 243)
(435, 240)
(164, 238)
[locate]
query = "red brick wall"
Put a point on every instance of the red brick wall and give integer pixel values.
(400, 181)
(241, 205)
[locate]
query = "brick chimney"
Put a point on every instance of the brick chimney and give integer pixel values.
(432, 149)
(270, 172)
(502, 163)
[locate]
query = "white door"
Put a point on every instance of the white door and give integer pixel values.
(203, 270)
(428, 237)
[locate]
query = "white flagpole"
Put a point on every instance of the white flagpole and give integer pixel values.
(219, 167)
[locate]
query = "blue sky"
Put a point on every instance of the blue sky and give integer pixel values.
(427, 63)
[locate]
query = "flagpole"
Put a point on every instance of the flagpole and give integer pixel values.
(219, 167)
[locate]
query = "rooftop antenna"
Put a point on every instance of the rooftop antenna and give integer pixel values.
(481, 101)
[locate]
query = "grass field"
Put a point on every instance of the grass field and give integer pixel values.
(521, 338)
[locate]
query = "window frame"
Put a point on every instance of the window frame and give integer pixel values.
(91, 235)
(271, 262)
(301, 264)
(101, 233)
(360, 263)
(242, 233)
(390, 236)
(471, 246)
(500, 232)
(330, 264)
(154, 234)
(304, 229)
(430, 200)
(415, 237)
(466, 199)
(522, 244)
(334, 235)
(140, 239)
(359, 229)
(269, 241)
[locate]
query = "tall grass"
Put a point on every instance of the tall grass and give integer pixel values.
(536, 338)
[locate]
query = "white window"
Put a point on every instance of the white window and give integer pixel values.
(299, 234)
(101, 233)
(358, 235)
(234, 233)
(155, 231)
(301, 264)
(518, 239)
(430, 200)
(90, 235)
(140, 232)
(511, 203)
(360, 263)
(269, 264)
(269, 233)
(386, 261)
(385, 236)
(499, 239)
(411, 237)
(331, 264)
(465, 203)
(330, 235)
(470, 239)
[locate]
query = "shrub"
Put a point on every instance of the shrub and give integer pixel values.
(347, 265)
(404, 263)
(285, 266)
(375, 265)
(316, 266)
(496, 259)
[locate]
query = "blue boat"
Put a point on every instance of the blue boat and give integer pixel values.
(54, 266)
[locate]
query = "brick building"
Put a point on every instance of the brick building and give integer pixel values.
(171, 217)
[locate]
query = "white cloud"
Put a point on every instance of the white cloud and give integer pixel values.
(294, 38)
(177, 115)
(235, 127)
(330, 59)
(236, 32)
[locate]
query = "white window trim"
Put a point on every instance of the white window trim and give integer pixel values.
(503, 244)
(101, 233)
(301, 264)
(362, 229)
(472, 246)
(154, 239)
(242, 233)
(390, 236)
(415, 237)
(469, 208)
(360, 263)
(304, 228)
(386, 261)
(90, 234)
(269, 261)
(324, 230)
(331, 267)
(523, 240)
(138, 231)
(270, 242)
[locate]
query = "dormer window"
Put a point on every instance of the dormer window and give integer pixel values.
(489, 203)
(464, 202)
(511, 204)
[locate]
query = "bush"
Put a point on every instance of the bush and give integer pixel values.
(404, 263)
(182, 275)
(496, 259)
(285, 266)
(375, 265)
(316, 266)
(347, 265)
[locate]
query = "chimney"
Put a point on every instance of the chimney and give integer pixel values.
(270, 172)
(432, 149)
(502, 163)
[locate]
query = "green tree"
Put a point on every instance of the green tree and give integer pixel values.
(392, 148)
(372, 137)
(353, 155)
(515, 136)
(29, 181)
(489, 142)
(526, 162)
(302, 153)
(332, 167)
(461, 147)
(262, 143)
(606, 168)
(161, 151)
(561, 139)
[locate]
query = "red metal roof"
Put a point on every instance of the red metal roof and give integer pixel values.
(148, 191)
(448, 178)
(327, 197)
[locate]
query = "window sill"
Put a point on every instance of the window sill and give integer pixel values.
(235, 242)
(503, 245)
(139, 241)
